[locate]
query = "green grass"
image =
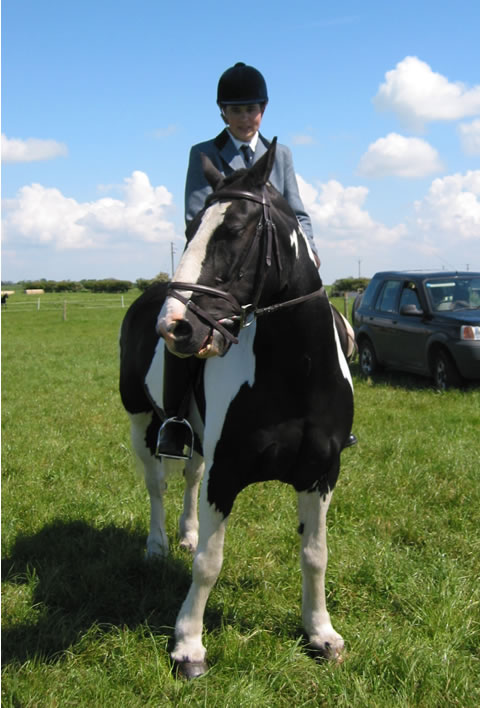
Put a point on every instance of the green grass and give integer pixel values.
(87, 623)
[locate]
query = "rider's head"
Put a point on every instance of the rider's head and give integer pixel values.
(242, 98)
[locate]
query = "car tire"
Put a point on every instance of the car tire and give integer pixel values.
(445, 374)
(367, 358)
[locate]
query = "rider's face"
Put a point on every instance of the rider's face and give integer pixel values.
(244, 121)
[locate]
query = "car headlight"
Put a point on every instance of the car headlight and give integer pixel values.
(470, 332)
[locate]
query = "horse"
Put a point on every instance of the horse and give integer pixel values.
(273, 401)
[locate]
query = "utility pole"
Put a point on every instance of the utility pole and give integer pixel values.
(172, 251)
(359, 262)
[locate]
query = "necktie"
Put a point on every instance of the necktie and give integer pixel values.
(247, 154)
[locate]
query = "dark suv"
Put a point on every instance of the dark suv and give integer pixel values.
(424, 322)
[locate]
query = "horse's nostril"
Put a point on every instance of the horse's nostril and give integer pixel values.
(181, 329)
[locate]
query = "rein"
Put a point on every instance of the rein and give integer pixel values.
(242, 314)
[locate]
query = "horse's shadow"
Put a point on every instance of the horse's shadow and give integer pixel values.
(84, 577)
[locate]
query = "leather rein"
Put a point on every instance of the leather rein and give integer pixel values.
(244, 315)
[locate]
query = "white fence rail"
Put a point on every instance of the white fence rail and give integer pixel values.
(43, 303)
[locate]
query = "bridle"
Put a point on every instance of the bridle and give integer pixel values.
(243, 315)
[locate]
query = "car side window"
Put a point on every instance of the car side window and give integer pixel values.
(388, 296)
(409, 296)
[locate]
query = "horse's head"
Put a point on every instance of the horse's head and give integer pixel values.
(242, 248)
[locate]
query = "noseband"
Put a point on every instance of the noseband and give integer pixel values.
(243, 315)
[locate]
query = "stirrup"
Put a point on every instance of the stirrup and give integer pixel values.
(175, 439)
(351, 441)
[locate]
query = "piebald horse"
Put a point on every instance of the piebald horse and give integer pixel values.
(274, 400)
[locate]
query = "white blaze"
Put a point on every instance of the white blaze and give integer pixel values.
(190, 266)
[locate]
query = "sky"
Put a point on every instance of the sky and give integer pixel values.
(102, 100)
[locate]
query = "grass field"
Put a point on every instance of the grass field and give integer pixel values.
(87, 623)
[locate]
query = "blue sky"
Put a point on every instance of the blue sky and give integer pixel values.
(101, 101)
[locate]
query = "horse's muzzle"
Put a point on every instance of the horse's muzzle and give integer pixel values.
(191, 337)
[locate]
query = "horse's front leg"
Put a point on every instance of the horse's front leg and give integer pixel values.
(188, 525)
(312, 511)
(154, 475)
(189, 652)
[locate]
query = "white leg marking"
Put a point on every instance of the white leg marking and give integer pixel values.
(188, 524)
(206, 568)
(223, 378)
(154, 475)
(312, 512)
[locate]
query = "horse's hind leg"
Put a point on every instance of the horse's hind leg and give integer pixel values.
(188, 525)
(312, 511)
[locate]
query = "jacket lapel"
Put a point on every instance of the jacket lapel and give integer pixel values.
(231, 158)
(228, 153)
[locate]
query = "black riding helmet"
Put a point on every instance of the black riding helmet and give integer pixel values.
(241, 85)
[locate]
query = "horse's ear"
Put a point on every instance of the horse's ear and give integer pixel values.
(260, 171)
(211, 173)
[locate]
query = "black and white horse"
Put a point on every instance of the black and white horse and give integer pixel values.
(277, 399)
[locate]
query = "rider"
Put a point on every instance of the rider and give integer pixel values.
(242, 98)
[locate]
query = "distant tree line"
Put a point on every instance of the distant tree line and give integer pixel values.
(348, 285)
(107, 285)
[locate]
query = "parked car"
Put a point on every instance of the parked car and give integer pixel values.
(424, 322)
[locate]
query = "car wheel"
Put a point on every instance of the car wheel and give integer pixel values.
(445, 374)
(367, 358)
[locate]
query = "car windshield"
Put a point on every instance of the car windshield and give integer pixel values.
(454, 293)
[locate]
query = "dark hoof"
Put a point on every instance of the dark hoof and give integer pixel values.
(191, 669)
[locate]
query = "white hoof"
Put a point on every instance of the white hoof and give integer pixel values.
(329, 644)
(156, 551)
(189, 542)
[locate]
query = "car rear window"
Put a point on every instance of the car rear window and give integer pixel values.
(369, 295)
(388, 298)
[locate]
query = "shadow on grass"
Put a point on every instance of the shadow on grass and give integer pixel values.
(84, 576)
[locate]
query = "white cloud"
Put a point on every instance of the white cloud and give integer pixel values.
(444, 229)
(339, 219)
(399, 156)
(470, 137)
(43, 215)
(31, 149)
(419, 95)
(450, 212)
(302, 139)
(161, 133)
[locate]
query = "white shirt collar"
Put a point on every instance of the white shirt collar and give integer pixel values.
(238, 143)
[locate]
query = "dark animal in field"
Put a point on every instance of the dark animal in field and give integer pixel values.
(4, 299)
(275, 399)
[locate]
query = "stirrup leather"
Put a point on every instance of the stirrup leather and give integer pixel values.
(175, 439)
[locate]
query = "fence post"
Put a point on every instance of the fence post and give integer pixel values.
(38, 304)
(123, 304)
(345, 304)
(64, 310)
